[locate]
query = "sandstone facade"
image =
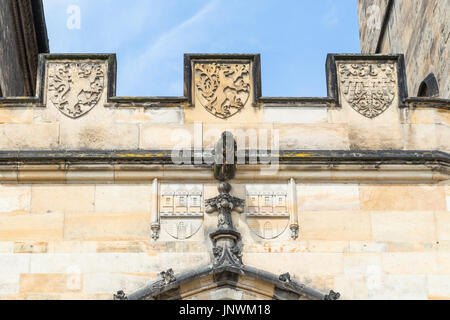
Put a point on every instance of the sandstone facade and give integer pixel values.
(418, 29)
(101, 193)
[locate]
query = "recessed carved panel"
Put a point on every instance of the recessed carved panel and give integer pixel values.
(181, 209)
(75, 88)
(267, 210)
(369, 88)
(223, 89)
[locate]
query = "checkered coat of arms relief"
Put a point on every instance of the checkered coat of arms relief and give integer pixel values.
(370, 89)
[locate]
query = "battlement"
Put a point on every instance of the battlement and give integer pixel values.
(367, 108)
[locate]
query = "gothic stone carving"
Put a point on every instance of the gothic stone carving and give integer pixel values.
(332, 296)
(181, 209)
(75, 87)
(224, 203)
(227, 246)
(223, 89)
(120, 295)
(167, 277)
(294, 231)
(267, 210)
(369, 88)
(156, 228)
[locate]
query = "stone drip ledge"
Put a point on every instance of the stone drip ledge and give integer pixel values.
(332, 100)
(145, 166)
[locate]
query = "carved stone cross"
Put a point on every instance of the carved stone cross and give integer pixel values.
(224, 203)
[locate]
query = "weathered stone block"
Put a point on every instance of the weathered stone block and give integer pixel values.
(166, 136)
(312, 263)
(16, 115)
(7, 247)
(361, 263)
(399, 226)
(97, 283)
(62, 198)
(51, 283)
(15, 199)
(419, 136)
(409, 263)
(9, 283)
(29, 136)
(399, 287)
(30, 247)
(316, 197)
(93, 136)
(438, 287)
(31, 227)
(293, 115)
(443, 225)
(375, 137)
(14, 264)
(103, 226)
(351, 287)
(340, 225)
(313, 137)
(122, 198)
(153, 115)
(402, 197)
(366, 247)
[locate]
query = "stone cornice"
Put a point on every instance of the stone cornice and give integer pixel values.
(144, 166)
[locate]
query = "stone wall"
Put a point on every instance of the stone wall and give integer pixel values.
(23, 36)
(84, 177)
(417, 29)
(373, 241)
(106, 123)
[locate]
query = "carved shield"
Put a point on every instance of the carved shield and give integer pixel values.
(75, 88)
(181, 210)
(223, 89)
(370, 89)
(267, 210)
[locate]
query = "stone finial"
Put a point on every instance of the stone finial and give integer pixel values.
(332, 296)
(120, 295)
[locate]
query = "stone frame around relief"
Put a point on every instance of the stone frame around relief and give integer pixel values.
(332, 74)
(255, 73)
(181, 213)
(267, 216)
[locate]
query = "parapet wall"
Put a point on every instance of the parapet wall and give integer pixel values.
(347, 192)
(367, 108)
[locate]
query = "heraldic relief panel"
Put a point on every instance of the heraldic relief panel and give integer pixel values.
(181, 209)
(267, 210)
(222, 88)
(369, 88)
(75, 88)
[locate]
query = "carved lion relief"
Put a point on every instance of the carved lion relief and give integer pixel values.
(223, 89)
(369, 88)
(75, 87)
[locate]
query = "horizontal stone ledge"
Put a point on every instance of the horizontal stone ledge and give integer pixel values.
(437, 103)
(36, 174)
(319, 102)
(205, 157)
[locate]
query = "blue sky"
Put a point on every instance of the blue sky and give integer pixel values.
(151, 36)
